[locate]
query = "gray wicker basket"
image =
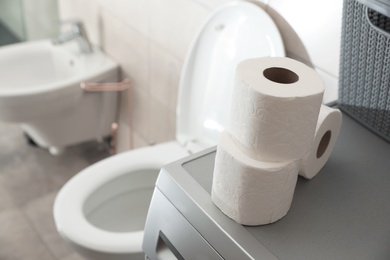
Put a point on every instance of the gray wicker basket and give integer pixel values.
(364, 80)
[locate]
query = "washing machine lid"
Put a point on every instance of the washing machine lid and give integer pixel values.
(234, 32)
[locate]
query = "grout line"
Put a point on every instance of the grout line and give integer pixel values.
(31, 224)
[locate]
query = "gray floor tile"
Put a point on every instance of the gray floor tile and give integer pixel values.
(73, 256)
(18, 241)
(5, 199)
(8, 128)
(12, 143)
(29, 172)
(29, 179)
(40, 215)
(25, 182)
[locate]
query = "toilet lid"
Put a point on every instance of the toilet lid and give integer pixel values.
(235, 32)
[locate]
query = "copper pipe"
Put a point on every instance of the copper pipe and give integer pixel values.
(98, 87)
(114, 136)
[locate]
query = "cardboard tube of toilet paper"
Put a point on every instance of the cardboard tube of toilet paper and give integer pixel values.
(275, 106)
(248, 191)
(327, 131)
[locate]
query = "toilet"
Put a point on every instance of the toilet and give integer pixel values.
(102, 210)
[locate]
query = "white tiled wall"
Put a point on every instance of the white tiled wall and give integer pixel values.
(40, 18)
(150, 38)
(30, 19)
(11, 16)
(311, 31)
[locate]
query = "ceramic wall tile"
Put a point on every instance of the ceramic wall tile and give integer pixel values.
(129, 48)
(133, 12)
(85, 10)
(12, 17)
(311, 30)
(174, 23)
(138, 141)
(139, 106)
(162, 123)
(41, 18)
(165, 70)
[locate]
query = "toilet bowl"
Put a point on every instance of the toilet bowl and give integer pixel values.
(102, 210)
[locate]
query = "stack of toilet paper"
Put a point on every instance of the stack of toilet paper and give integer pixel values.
(278, 129)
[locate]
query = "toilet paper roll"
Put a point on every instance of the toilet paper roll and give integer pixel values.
(327, 131)
(275, 106)
(248, 191)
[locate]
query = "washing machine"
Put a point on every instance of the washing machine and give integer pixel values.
(342, 213)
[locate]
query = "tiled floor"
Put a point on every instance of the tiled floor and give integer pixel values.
(29, 181)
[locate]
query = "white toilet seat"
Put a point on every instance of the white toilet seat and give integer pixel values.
(71, 210)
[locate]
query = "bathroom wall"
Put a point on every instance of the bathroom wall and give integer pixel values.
(41, 19)
(30, 19)
(311, 32)
(11, 16)
(149, 39)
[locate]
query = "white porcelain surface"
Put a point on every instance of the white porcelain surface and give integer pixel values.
(93, 188)
(40, 89)
(37, 75)
(236, 31)
(213, 4)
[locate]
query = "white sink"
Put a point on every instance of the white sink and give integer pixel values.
(40, 82)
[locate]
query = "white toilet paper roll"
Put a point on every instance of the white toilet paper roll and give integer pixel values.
(327, 131)
(248, 191)
(275, 106)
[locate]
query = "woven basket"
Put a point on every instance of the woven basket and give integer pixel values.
(364, 80)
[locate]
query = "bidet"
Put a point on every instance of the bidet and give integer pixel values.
(40, 89)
